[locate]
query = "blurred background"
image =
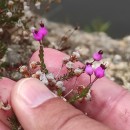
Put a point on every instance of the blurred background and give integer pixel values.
(111, 16)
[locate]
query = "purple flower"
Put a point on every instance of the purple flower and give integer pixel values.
(89, 70)
(41, 33)
(98, 55)
(100, 71)
(37, 36)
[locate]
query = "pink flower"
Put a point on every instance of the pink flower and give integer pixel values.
(37, 36)
(41, 33)
(43, 30)
(98, 55)
(89, 70)
(100, 71)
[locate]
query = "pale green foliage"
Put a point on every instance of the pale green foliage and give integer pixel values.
(98, 25)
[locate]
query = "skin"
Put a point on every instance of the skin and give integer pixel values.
(110, 105)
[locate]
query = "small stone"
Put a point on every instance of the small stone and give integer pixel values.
(25, 33)
(117, 59)
(26, 8)
(82, 50)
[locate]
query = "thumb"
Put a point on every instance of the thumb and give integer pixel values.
(38, 109)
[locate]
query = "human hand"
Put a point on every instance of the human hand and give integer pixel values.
(38, 109)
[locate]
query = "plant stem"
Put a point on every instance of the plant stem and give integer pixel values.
(41, 56)
(81, 95)
(67, 76)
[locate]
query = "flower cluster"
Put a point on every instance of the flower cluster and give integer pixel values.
(69, 63)
(84, 92)
(99, 71)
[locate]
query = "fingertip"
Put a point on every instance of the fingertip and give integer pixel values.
(3, 126)
(42, 110)
(6, 86)
(31, 92)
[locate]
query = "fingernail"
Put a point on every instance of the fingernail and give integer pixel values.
(33, 92)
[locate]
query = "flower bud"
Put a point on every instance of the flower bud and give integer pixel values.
(32, 29)
(33, 65)
(50, 76)
(9, 14)
(43, 31)
(89, 96)
(37, 36)
(89, 69)
(60, 84)
(100, 71)
(10, 3)
(35, 76)
(23, 69)
(78, 71)
(70, 65)
(63, 89)
(38, 5)
(76, 55)
(66, 59)
(44, 79)
(98, 55)
(38, 72)
(40, 34)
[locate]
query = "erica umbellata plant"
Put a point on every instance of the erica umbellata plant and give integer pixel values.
(56, 83)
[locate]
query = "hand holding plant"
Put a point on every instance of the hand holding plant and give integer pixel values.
(49, 112)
